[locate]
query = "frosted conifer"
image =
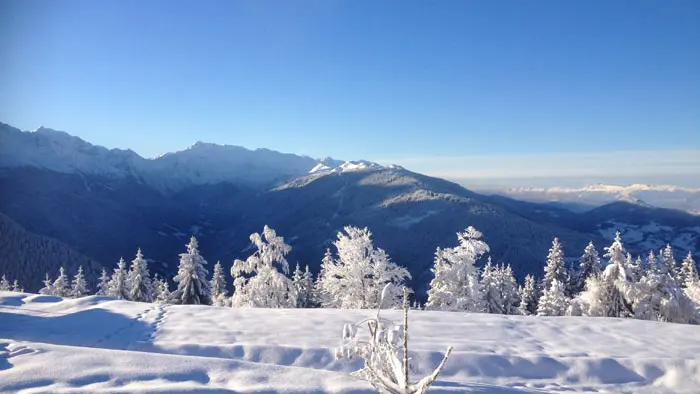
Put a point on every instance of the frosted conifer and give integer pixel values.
(357, 276)
(61, 286)
(79, 285)
(589, 265)
(119, 285)
(491, 288)
(191, 278)
(553, 301)
(48, 286)
(4, 284)
(555, 268)
(456, 286)
(16, 287)
(528, 297)
(139, 280)
(103, 285)
(218, 286)
(689, 271)
(268, 287)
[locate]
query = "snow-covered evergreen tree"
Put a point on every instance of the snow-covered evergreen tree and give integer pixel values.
(16, 287)
(219, 294)
(103, 285)
(309, 283)
(589, 265)
(509, 290)
(659, 296)
(553, 301)
(357, 276)
(555, 268)
(48, 286)
(191, 278)
(79, 287)
(4, 284)
(61, 286)
(303, 286)
(262, 281)
(456, 286)
(119, 285)
(689, 271)
(162, 293)
(608, 294)
(570, 282)
(491, 289)
(528, 296)
(139, 280)
(668, 261)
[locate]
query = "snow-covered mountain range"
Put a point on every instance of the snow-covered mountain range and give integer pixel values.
(199, 164)
(663, 196)
(104, 204)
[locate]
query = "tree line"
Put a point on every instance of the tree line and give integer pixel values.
(356, 272)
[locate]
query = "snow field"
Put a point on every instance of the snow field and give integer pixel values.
(101, 344)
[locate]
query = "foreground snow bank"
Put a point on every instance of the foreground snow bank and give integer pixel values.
(100, 344)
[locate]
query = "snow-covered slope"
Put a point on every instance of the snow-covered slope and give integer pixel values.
(664, 196)
(199, 164)
(99, 344)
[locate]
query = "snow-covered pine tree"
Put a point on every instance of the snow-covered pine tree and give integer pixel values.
(191, 278)
(61, 286)
(219, 294)
(456, 286)
(163, 295)
(79, 286)
(48, 286)
(658, 296)
(509, 290)
(16, 287)
(491, 289)
(139, 280)
(589, 265)
(570, 283)
(553, 301)
(356, 277)
(689, 271)
(668, 261)
(103, 285)
(555, 268)
(309, 283)
(119, 285)
(4, 284)
(528, 296)
(608, 294)
(301, 286)
(652, 264)
(257, 281)
(633, 271)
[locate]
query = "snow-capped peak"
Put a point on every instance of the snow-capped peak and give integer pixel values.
(348, 166)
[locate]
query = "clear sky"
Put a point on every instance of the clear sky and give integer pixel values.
(460, 89)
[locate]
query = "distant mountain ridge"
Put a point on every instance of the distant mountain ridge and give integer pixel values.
(199, 164)
(662, 196)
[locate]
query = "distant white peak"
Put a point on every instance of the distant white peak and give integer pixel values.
(327, 166)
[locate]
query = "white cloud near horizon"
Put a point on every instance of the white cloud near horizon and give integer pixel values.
(601, 164)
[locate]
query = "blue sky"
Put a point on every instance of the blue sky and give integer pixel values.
(461, 89)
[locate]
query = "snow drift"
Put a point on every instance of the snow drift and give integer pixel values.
(98, 343)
